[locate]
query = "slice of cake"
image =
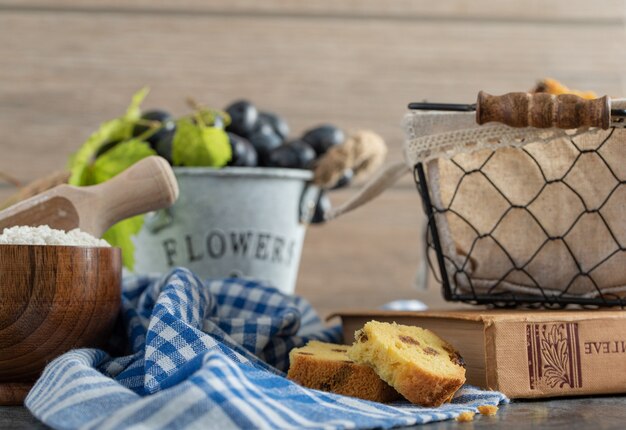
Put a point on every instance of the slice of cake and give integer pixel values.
(325, 366)
(416, 362)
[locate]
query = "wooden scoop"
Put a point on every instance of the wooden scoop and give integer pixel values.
(146, 186)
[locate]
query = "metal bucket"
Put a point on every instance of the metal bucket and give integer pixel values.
(244, 222)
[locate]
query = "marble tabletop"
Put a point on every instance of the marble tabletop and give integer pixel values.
(599, 413)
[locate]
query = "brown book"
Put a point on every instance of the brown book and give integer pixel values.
(526, 354)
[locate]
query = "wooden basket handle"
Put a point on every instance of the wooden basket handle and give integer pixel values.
(542, 110)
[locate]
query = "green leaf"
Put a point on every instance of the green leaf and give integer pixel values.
(116, 129)
(134, 109)
(195, 145)
(81, 160)
(120, 235)
(132, 115)
(119, 158)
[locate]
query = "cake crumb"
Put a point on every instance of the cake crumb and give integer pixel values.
(488, 410)
(466, 416)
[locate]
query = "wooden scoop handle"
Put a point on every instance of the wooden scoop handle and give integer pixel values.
(543, 110)
(147, 185)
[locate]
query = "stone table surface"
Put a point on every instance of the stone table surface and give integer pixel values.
(598, 413)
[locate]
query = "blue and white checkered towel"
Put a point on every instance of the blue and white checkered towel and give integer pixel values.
(206, 355)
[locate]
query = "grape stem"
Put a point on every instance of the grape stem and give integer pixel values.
(201, 113)
(198, 110)
(193, 104)
(154, 126)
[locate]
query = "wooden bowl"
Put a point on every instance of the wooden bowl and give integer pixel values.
(52, 299)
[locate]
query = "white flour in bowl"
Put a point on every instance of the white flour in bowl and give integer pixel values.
(44, 235)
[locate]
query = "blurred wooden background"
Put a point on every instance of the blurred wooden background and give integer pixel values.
(66, 66)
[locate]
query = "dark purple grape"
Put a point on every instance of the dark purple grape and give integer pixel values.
(322, 208)
(294, 155)
(243, 117)
(163, 147)
(283, 156)
(244, 153)
(265, 140)
(279, 125)
(306, 154)
(324, 137)
(166, 132)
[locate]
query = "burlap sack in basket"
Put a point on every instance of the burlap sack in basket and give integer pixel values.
(525, 210)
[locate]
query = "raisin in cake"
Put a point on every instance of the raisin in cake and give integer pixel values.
(417, 363)
(325, 366)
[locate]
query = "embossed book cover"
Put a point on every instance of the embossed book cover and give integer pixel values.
(526, 354)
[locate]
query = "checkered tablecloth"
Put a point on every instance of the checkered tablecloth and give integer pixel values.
(210, 355)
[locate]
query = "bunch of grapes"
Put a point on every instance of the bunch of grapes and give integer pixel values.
(257, 138)
(261, 138)
(253, 137)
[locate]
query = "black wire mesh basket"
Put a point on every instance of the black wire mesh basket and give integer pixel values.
(539, 223)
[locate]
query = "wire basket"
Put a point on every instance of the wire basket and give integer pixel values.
(539, 223)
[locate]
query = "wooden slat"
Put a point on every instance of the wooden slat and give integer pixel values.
(550, 11)
(65, 73)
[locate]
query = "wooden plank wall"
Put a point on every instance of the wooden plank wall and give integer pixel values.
(65, 66)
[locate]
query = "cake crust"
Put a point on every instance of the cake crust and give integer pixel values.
(325, 366)
(422, 367)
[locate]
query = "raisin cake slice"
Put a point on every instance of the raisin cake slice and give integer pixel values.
(325, 366)
(422, 367)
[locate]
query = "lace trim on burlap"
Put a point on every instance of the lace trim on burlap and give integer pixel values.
(429, 136)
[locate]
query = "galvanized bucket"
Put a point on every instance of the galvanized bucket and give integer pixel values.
(244, 222)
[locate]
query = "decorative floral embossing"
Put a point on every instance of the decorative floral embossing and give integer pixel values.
(556, 356)
(554, 359)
